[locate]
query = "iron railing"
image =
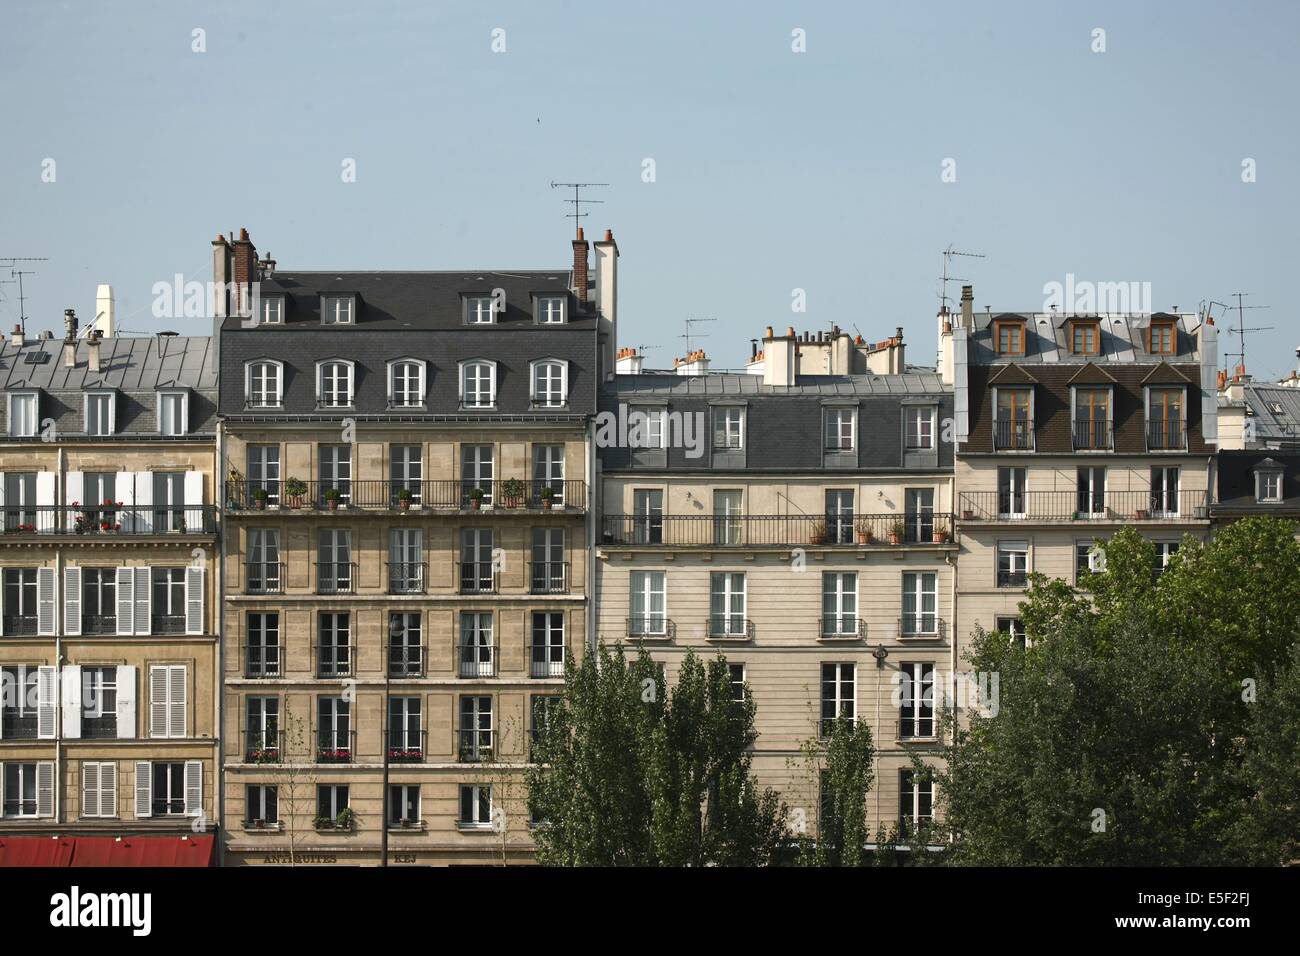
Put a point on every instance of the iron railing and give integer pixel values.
(1084, 505)
(839, 530)
(109, 520)
(506, 494)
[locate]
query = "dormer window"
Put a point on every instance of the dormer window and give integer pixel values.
(337, 310)
(1268, 482)
(478, 310)
(550, 383)
(334, 384)
(173, 412)
(100, 413)
(551, 310)
(1160, 338)
(478, 383)
(262, 383)
(23, 414)
(1009, 337)
(273, 310)
(1085, 338)
(406, 383)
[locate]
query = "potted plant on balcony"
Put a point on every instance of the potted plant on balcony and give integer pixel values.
(344, 820)
(259, 499)
(940, 536)
(332, 498)
(404, 499)
(818, 535)
(1141, 514)
(513, 492)
(294, 489)
(897, 530)
(323, 822)
(864, 532)
(476, 498)
(548, 497)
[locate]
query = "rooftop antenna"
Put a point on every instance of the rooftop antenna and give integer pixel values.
(1241, 328)
(945, 278)
(16, 273)
(578, 215)
(688, 334)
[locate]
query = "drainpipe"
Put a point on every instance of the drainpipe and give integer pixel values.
(219, 613)
(58, 660)
(593, 499)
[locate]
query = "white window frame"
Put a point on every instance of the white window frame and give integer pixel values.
(99, 789)
(841, 597)
(100, 393)
(250, 369)
(272, 310)
(920, 422)
(652, 586)
(44, 794)
(172, 710)
(1095, 555)
(340, 316)
(393, 368)
(543, 399)
(834, 413)
(34, 396)
(1010, 547)
(474, 310)
(462, 379)
(920, 587)
(184, 416)
(732, 429)
(548, 314)
(476, 799)
(349, 378)
(723, 587)
(840, 698)
(1262, 480)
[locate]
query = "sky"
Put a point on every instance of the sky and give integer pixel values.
(751, 149)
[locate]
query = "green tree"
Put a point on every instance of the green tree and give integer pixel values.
(842, 765)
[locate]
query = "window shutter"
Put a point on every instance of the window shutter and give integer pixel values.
(108, 789)
(72, 700)
(46, 612)
(176, 701)
(194, 600)
(158, 701)
(45, 497)
(126, 600)
(45, 788)
(89, 789)
(46, 701)
(193, 490)
(143, 600)
(143, 789)
(193, 788)
(72, 601)
(125, 702)
(143, 502)
(124, 485)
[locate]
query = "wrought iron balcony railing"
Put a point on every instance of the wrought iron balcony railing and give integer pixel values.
(507, 494)
(745, 530)
(1082, 505)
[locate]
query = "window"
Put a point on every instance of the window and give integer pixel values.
(918, 512)
(264, 471)
(648, 428)
(336, 310)
(405, 649)
(20, 601)
(1092, 418)
(839, 695)
(167, 700)
(548, 571)
(548, 644)
(915, 800)
(20, 500)
(920, 427)
(168, 614)
(920, 603)
(1011, 492)
(263, 647)
(334, 644)
(839, 517)
(1009, 337)
(100, 408)
(728, 429)
(543, 709)
(1268, 485)
(1165, 551)
(405, 561)
(168, 796)
(262, 804)
(1161, 338)
(476, 805)
(273, 309)
(1090, 492)
(548, 472)
(550, 309)
(168, 499)
(264, 561)
(20, 712)
(333, 730)
(404, 804)
(331, 801)
(1013, 426)
(1089, 558)
(98, 788)
(648, 516)
(334, 384)
(648, 602)
(736, 672)
(173, 413)
(1013, 564)
(1164, 491)
(726, 517)
(550, 383)
(1085, 338)
(479, 310)
(1014, 628)
(1165, 425)
(727, 604)
(477, 650)
(478, 387)
(100, 487)
(405, 741)
(477, 470)
(98, 702)
(477, 570)
(406, 471)
(23, 417)
(840, 426)
(262, 384)
(334, 563)
(335, 473)
(98, 600)
(840, 604)
(262, 729)
(475, 728)
(29, 789)
(916, 701)
(406, 384)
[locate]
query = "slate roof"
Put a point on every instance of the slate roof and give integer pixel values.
(1047, 338)
(741, 383)
(1236, 482)
(1270, 423)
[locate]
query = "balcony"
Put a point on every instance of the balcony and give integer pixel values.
(263, 746)
(651, 627)
(110, 521)
(406, 747)
(99, 728)
(407, 577)
(477, 660)
(1167, 435)
(18, 727)
(548, 577)
(546, 660)
(842, 627)
(749, 531)
(98, 624)
(476, 577)
(1015, 435)
(167, 624)
(406, 660)
(922, 627)
(917, 728)
(262, 661)
(1012, 579)
(1093, 436)
(475, 745)
(19, 625)
(264, 577)
(336, 746)
(415, 495)
(335, 660)
(1067, 506)
(730, 627)
(336, 577)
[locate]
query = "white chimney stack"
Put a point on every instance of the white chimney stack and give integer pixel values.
(92, 350)
(607, 297)
(695, 363)
(629, 362)
(104, 321)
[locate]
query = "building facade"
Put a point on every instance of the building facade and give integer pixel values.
(408, 466)
(797, 519)
(109, 645)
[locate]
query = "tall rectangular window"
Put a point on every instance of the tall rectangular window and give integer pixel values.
(839, 429)
(406, 473)
(334, 571)
(406, 561)
(920, 427)
(840, 604)
(405, 647)
(727, 604)
(477, 471)
(264, 561)
(263, 647)
(839, 516)
(334, 644)
(1091, 492)
(1013, 564)
(548, 472)
(547, 644)
(1164, 491)
(648, 603)
(727, 522)
(477, 648)
(264, 471)
(728, 428)
(648, 516)
(548, 572)
(920, 603)
(22, 414)
(99, 413)
(1013, 426)
(477, 570)
(916, 701)
(1011, 492)
(335, 474)
(839, 695)
(475, 728)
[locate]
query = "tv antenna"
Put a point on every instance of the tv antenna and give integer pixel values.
(11, 263)
(578, 215)
(948, 255)
(1240, 329)
(688, 334)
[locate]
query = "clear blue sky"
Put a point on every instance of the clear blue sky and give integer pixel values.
(774, 170)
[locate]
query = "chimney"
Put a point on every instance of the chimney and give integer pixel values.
(967, 306)
(629, 362)
(222, 264)
(17, 338)
(607, 299)
(92, 350)
(580, 284)
(245, 271)
(70, 338)
(266, 268)
(780, 359)
(695, 363)
(105, 321)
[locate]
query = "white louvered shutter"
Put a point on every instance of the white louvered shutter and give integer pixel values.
(193, 788)
(74, 493)
(176, 701)
(144, 502)
(46, 610)
(143, 789)
(108, 789)
(45, 788)
(89, 789)
(72, 700)
(126, 600)
(193, 487)
(125, 702)
(47, 698)
(158, 701)
(72, 601)
(143, 601)
(124, 485)
(194, 600)
(46, 489)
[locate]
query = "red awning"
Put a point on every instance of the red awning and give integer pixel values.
(107, 851)
(35, 851)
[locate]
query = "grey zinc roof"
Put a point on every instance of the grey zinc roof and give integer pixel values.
(741, 383)
(1047, 338)
(1274, 410)
(141, 364)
